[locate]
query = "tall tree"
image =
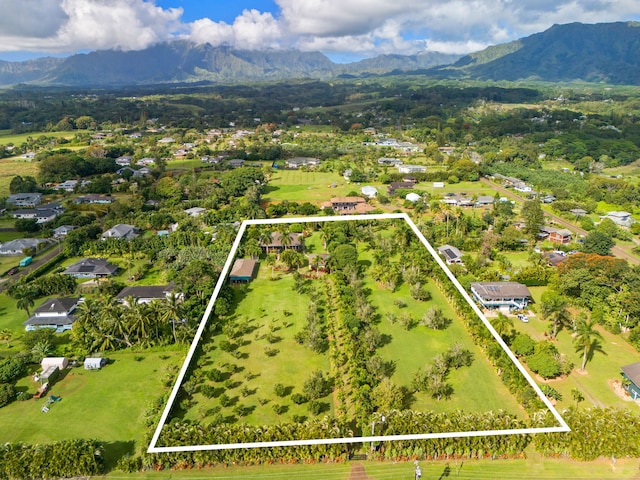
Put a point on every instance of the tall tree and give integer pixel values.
(533, 216)
(553, 307)
(587, 340)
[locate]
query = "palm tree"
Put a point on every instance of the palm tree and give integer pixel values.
(270, 260)
(25, 303)
(265, 238)
(172, 312)
(553, 307)
(503, 325)
(587, 339)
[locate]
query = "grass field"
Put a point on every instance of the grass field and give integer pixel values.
(108, 404)
(532, 467)
(476, 388)
(265, 303)
(300, 186)
(9, 168)
(8, 138)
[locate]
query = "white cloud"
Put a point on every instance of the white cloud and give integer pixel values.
(71, 25)
(251, 30)
(364, 27)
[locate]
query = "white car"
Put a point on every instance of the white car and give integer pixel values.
(523, 317)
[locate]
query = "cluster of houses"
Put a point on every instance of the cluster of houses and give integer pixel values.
(58, 313)
(382, 141)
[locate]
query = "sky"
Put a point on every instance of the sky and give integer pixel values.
(344, 30)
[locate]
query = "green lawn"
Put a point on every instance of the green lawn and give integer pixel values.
(300, 186)
(10, 317)
(532, 467)
(476, 388)
(108, 405)
(602, 369)
(9, 168)
(266, 302)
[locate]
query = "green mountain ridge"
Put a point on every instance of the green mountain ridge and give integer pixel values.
(605, 52)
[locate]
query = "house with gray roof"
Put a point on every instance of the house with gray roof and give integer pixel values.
(24, 199)
(631, 373)
(91, 268)
(451, 254)
(40, 215)
(121, 231)
(501, 294)
(62, 231)
(54, 313)
(146, 293)
(17, 246)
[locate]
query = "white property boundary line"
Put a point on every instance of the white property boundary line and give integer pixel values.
(323, 441)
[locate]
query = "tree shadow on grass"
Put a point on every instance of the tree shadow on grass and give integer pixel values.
(114, 451)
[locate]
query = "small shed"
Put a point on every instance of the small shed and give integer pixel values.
(49, 375)
(60, 362)
(95, 363)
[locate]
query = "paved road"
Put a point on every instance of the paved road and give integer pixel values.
(35, 264)
(617, 250)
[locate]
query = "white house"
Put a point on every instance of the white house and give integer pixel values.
(620, 218)
(41, 216)
(413, 197)
(411, 168)
(62, 231)
(55, 313)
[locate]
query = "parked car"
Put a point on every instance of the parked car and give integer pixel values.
(523, 318)
(13, 271)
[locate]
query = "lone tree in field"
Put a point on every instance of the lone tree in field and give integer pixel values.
(588, 340)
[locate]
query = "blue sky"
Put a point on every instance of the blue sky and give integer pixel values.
(342, 29)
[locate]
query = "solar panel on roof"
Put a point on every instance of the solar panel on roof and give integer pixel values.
(85, 268)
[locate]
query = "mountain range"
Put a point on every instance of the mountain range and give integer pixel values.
(606, 52)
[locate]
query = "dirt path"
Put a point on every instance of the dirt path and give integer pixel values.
(616, 250)
(358, 472)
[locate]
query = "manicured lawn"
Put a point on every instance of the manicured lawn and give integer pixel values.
(265, 303)
(107, 405)
(10, 317)
(532, 467)
(299, 186)
(600, 370)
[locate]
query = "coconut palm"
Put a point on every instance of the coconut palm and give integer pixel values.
(172, 312)
(553, 307)
(587, 340)
(503, 325)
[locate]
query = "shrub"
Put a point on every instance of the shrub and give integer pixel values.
(523, 345)
(544, 365)
(7, 394)
(280, 390)
(298, 398)
(208, 391)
